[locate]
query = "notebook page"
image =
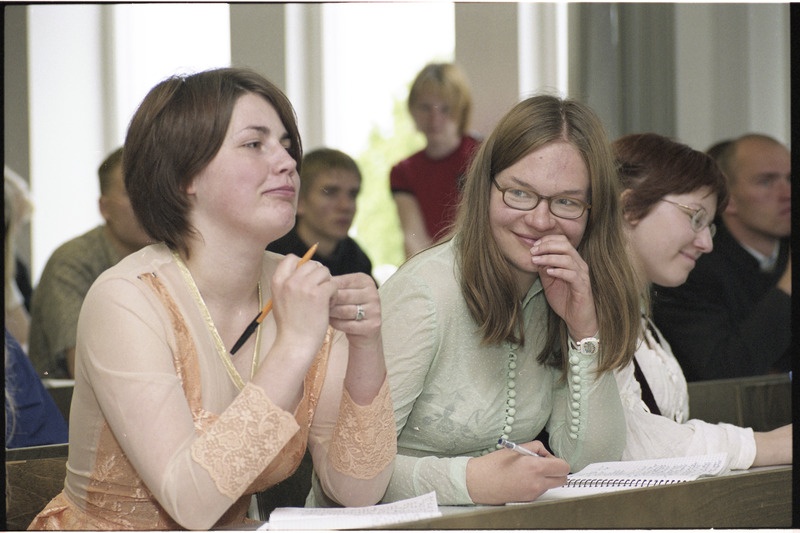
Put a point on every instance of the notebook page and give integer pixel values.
(671, 469)
(418, 508)
(636, 474)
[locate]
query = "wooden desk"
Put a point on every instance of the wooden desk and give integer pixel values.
(34, 475)
(30, 485)
(46, 451)
(760, 402)
(758, 498)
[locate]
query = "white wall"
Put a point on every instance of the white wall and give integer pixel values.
(732, 76)
(732, 71)
(90, 66)
(66, 124)
(370, 57)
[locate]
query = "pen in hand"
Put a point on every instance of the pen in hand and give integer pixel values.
(267, 308)
(516, 447)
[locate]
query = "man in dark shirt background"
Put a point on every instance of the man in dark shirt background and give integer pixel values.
(732, 317)
(330, 181)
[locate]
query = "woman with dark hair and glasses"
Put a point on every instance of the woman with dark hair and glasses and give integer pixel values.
(513, 324)
(671, 194)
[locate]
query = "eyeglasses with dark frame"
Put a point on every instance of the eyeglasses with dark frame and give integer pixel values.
(699, 217)
(527, 200)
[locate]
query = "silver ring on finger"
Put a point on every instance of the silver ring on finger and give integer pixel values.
(360, 314)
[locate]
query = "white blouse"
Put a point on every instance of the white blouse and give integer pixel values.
(672, 434)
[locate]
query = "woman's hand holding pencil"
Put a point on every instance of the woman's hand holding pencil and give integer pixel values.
(267, 307)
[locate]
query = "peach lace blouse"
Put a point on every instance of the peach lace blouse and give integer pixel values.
(161, 437)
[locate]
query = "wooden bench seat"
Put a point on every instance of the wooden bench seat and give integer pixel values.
(30, 485)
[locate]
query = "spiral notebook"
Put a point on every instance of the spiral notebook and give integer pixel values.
(649, 473)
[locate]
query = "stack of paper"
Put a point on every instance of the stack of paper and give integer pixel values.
(354, 517)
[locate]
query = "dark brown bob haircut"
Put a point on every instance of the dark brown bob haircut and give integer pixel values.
(652, 166)
(175, 133)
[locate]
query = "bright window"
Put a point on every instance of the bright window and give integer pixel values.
(90, 66)
(372, 52)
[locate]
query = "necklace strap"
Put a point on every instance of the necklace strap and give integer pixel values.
(222, 353)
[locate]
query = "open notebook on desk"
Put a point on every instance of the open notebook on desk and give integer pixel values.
(418, 508)
(619, 475)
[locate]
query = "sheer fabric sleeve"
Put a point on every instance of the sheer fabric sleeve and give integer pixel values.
(352, 446)
(652, 436)
(125, 355)
(587, 424)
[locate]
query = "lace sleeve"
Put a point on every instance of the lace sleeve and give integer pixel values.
(364, 440)
(243, 441)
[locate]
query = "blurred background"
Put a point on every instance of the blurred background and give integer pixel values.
(74, 74)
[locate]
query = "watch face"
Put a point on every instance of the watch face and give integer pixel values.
(589, 346)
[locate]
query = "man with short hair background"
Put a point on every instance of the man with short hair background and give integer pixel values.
(72, 269)
(330, 181)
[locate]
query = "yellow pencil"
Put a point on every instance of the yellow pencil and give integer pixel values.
(267, 308)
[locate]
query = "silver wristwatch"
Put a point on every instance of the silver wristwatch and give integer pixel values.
(587, 346)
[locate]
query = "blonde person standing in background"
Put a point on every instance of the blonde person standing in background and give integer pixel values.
(426, 186)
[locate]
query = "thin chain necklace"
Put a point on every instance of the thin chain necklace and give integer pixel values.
(221, 351)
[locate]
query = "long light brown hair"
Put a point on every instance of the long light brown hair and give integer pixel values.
(487, 282)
